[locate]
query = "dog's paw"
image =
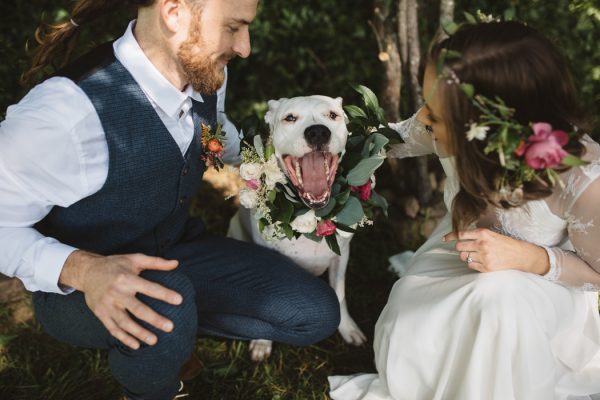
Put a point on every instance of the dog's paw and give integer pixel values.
(352, 333)
(260, 349)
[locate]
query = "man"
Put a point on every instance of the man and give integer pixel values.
(97, 167)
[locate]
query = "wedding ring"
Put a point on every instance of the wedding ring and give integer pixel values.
(469, 259)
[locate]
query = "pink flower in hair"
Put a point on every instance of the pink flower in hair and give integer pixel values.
(544, 149)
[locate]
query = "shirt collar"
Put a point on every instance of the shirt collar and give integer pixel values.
(158, 89)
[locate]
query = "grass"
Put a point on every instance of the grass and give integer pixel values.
(34, 366)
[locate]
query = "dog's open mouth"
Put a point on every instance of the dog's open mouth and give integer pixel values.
(312, 175)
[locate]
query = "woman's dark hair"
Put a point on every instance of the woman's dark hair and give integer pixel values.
(60, 39)
(516, 63)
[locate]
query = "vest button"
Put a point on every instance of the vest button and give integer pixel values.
(182, 199)
(185, 170)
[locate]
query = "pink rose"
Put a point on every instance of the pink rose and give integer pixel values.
(252, 184)
(544, 149)
(326, 228)
(364, 191)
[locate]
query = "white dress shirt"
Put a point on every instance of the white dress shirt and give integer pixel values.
(53, 152)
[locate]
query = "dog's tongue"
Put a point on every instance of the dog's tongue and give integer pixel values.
(314, 176)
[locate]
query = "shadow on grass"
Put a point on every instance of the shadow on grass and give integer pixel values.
(33, 366)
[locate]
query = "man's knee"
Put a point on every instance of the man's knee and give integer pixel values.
(180, 340)
(317, 315)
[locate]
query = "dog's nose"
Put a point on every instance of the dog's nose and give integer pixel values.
(317, 135)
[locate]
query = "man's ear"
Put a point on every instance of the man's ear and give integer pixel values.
(270, 115)
(173, 13)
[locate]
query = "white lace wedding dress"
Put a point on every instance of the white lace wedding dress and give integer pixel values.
(448, 332)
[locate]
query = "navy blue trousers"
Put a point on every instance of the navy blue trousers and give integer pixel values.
(231, 289)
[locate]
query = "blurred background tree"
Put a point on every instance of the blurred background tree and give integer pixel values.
(324, 46)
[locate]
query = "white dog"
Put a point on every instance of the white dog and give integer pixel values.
(309, 137)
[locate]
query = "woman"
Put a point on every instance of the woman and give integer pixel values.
(501, 302)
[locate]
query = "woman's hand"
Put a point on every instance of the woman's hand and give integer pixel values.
(485, 251)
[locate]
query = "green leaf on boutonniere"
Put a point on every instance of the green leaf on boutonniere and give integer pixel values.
(351, 213)
(333, 244)
(272, 195)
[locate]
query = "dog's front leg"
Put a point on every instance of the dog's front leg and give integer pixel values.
(337, 279)
(260, 349)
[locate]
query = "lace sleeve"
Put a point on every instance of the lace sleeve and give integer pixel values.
(417, 141)
(580, 268)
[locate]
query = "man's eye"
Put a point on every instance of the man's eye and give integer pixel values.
(290, 118)
(333, 115)
(233, 29)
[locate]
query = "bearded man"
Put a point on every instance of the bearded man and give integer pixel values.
(97, 168)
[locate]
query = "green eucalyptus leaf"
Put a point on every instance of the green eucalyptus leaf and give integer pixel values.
(342, 197)
(362, 172)
(378, 201)
(327, 209)
(351, 213)
(379, 142)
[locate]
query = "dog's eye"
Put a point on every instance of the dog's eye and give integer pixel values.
(333, 115)
(290, 118)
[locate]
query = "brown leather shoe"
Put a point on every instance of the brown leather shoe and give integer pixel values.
(191, 368)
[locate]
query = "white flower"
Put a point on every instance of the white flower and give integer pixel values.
(273, 174)
(478, 132)
(250, 171)
(273, 232)
(248, 198)
(305, 223)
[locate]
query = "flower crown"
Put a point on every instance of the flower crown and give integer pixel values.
(527, 152)
(278, 208)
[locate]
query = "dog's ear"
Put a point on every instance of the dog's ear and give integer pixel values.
(270, 115)
(340, 102)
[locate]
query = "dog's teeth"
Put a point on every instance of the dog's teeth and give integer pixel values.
(326, 168)
(299, 173)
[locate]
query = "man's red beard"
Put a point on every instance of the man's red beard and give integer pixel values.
(205, 75)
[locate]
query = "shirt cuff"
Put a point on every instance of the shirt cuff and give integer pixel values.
(48, 263)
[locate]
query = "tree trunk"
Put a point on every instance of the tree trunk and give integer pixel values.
(446, 11)
(390, 57)
(423, 185)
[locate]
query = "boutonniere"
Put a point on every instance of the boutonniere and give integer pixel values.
(212, 147)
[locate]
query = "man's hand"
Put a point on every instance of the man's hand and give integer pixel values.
(110, 284)
(485, 251)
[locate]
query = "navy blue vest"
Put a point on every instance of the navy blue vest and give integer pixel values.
(143, 205)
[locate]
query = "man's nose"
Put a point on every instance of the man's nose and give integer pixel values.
(242, 47)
